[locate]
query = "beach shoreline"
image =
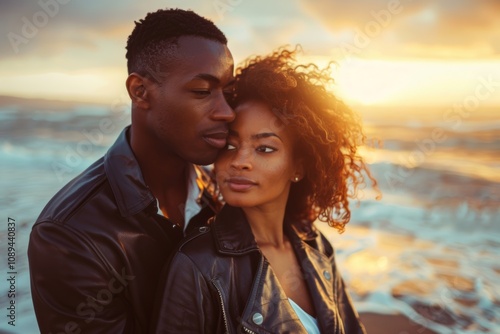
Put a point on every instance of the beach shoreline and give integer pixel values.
(424, 255)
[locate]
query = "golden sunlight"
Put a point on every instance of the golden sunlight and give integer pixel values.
(99, 85)
(417, 82)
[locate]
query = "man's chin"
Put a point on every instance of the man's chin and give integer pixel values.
(205, 160)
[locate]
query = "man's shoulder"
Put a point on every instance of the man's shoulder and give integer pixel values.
(111, 187)
(75, 195)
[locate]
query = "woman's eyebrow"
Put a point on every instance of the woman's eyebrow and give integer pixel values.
(266, 135)
(234, 133)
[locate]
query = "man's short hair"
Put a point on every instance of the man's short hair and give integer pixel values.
(154, 38)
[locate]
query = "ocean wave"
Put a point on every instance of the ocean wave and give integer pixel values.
(429, 248)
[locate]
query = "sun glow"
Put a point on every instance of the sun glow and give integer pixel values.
(368, 82)
(96, 85)
(409, 82)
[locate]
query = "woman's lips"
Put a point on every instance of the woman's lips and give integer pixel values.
(216, 139)
(240, 183)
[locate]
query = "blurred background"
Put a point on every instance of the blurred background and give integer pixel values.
(424, 75)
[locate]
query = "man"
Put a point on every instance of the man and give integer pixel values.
(98, 247)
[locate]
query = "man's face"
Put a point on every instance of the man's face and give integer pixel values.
(189, 114)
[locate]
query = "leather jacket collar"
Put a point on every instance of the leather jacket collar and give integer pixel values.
(233, 234)
(127, 183)
(125, 178)
(236, 288)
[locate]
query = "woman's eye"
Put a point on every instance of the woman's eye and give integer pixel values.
(230, 147)
(266, 149)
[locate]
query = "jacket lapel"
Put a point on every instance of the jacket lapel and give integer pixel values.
(268, 309)
(321, 279)
(232, 234)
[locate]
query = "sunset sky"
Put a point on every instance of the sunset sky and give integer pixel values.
(408, 52)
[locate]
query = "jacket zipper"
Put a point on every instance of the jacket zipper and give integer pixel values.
(248, 330)
(221, 297)
(224, 311)
(257, 279)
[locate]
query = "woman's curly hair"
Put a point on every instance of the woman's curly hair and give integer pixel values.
(327, 133)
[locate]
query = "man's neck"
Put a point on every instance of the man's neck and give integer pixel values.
(169, 186)
(164, 174)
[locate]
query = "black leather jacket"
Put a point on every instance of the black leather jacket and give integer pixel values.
(219, 282)
(97, 250)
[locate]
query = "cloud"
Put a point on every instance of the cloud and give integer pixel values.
(421, 28)
(48, 27)
(89, 38)
(86, 26)
(425, 28)
(255, 27)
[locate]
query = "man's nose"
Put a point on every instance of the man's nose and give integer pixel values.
(222, 111)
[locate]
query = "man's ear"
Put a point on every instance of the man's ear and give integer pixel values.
(137, 90)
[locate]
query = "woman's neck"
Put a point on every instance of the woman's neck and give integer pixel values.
(267, 225)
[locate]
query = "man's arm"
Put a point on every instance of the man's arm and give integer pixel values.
(73, 290)
(184, 302)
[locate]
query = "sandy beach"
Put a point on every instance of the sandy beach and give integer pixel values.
(391, 324)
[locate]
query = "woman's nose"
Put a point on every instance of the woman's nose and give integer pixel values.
(242, 160)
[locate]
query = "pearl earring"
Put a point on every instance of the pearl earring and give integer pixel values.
(296, 179)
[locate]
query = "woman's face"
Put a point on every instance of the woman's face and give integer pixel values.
(257, 166)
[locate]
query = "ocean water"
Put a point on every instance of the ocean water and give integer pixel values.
(428, 249)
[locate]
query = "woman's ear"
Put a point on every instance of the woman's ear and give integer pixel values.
(299, 171)
(137, 90)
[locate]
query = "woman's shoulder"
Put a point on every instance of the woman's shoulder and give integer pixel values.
(313, 236)
(325, 243)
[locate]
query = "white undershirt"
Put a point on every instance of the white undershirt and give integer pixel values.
(192, 207)
(308, 321)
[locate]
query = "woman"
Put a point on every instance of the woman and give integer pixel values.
(261, 266)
